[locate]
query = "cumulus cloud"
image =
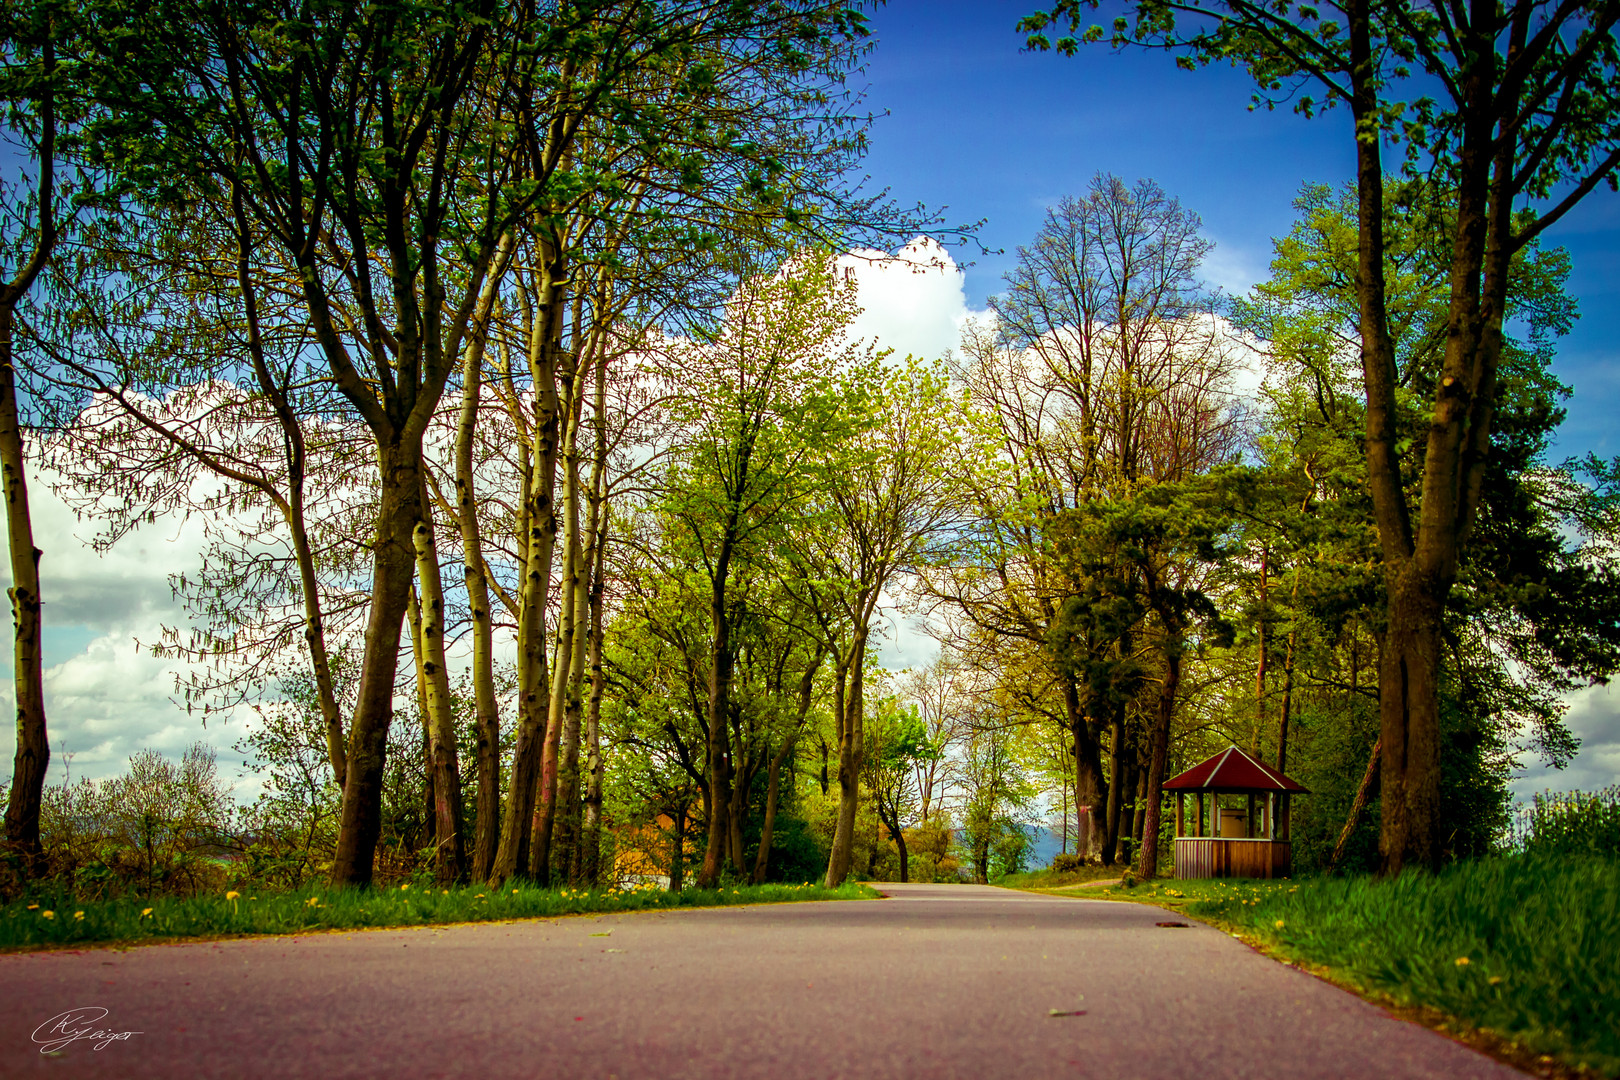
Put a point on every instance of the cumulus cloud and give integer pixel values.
(105, 696)
(913, 299)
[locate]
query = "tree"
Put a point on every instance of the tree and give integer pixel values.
(885, 499)
(896, 740)
(30, 77)
(1106, 372)
(1531, 615)
(760, 408)
(1524, 111)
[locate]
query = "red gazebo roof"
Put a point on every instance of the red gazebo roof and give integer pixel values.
(1232, 770)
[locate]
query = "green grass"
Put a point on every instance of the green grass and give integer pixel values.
(1521, 948)
(48, 920)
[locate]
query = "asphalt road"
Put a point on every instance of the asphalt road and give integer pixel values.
(936, 981)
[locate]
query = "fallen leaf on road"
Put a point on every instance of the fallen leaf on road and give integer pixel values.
(1060, 1012)
(1169, 924)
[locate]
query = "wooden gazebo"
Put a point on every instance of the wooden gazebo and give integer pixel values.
(1250, 839)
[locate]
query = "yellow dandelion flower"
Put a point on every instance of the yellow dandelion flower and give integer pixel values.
(1279, 924)
(33, 907)
(514, 892)
(232, 895)
(479, 896)
(145, 911)
(47, 914)
(78, 916)
(445, 893)
(1494, 979)
(404, 888)
(1462, 961)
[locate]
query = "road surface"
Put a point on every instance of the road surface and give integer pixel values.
(935, 981)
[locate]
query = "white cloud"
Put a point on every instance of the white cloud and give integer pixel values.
(913, 299)
(106, 697)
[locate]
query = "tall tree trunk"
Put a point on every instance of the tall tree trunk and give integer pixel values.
(598, 495)
(486, 714)
(737, 813)
(1289, 659)
(428, 837)
(851, 751)
(539, 541)
(569, 645)
(715, 738)
(450, 859)
(393, 569)
(1116, 781)
(33, 753)
(592, 858)
(1089, 786)
(1158, 751)
(32, 757)
(773, 787)
(1141, 801)
(1420, 565)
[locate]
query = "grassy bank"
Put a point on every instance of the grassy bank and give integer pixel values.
(1523, 949)
(46, 920)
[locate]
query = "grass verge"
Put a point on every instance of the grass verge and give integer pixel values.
(1524, 952)
(46, 921)
(1061, 879)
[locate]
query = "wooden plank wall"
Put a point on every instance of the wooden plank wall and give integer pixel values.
(1213, 857)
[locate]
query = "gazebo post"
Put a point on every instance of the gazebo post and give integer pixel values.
(1248, 820)
(1181, 813)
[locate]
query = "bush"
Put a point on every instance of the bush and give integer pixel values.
(161, 827)
(1574, 823)
(1068, 863)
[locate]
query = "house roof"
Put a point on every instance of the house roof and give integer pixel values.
(1232, 770)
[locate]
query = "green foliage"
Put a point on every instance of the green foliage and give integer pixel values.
(1571, 824)
(52, 918)
(160, 827)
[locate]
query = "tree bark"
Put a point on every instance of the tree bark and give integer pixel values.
(851, 751)
(1369, 781)
(1116, 781)
(450, 847)
(1089, 785)
(592, 856)
(677, 855)
(1158, 751)
(562, 674)
(773, 787)
(716, 742)
(32, 757)
(393, 569)
(486, 714)
(539, 546)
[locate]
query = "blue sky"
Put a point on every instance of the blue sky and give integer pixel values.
(986, 131)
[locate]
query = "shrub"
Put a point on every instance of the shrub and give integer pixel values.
(1577, 822)
(1068, 862)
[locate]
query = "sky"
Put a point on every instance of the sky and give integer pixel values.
(981, 132)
